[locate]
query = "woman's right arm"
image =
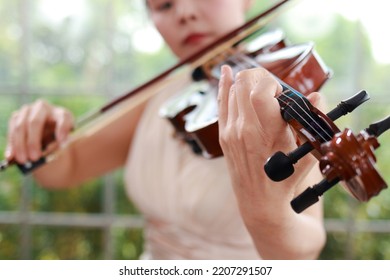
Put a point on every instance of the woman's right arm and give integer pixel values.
(85, 158)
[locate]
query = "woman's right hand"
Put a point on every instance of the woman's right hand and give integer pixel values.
(36, 128)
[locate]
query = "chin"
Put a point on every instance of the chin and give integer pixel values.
(190, 51)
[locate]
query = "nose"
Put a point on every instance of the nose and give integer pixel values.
(185, 11)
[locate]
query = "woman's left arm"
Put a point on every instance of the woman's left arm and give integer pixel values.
(251, 129)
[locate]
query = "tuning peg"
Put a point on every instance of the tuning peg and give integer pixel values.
(281, 166)
(376, 129)
(348, 105)
(311, 195)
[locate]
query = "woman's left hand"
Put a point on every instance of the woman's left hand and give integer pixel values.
(251, 129)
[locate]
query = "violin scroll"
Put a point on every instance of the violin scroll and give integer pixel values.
(349, 159)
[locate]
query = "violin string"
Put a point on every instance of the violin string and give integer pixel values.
(308, 123)
(304, 101)
(284, 93)
(252, 63)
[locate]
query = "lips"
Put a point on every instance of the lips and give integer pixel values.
(195, 39)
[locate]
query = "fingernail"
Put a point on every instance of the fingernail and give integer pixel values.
(34, 155)
(224, 69)
(8, 153)
(21, 158)
(61, 137)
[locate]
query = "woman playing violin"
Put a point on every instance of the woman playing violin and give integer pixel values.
(194, 208)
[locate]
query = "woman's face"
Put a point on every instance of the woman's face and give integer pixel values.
(189, 25)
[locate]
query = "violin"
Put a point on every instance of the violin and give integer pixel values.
(343, 157)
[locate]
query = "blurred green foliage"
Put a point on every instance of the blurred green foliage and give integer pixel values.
(81, 62)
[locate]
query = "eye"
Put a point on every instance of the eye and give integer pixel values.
(164, 6)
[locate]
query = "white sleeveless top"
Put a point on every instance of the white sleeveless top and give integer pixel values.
(188, 202)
